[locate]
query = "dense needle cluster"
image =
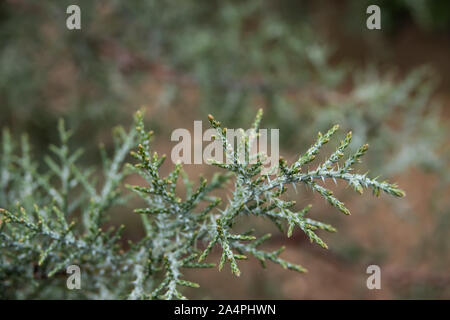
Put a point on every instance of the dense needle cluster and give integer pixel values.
(56, 217)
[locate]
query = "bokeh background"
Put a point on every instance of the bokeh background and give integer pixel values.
(308, 64)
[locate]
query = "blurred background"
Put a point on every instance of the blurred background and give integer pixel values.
(309, 65)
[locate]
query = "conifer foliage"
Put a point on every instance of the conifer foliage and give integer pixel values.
(56, 217)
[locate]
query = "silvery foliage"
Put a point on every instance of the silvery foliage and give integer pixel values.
(41, 234)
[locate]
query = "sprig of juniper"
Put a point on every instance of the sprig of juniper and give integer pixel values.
(41, 236)
(176, 225)
(260, 194)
